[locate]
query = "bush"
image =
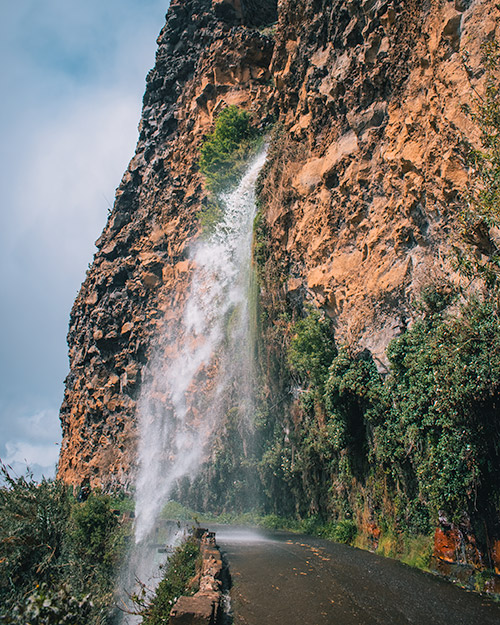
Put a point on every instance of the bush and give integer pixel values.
(180, 569)
(442, 431)
(312, 349)
(53, 607)
(33, 522)
(354, 396)
(92, 530)
(223, 152)
(345, 532)
(54, 552)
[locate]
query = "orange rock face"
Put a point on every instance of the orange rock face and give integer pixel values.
(360, 198)
(447, 544)
(370, 98)
(495, 556)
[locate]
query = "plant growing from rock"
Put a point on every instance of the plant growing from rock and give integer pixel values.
(480, 219)
(225, 150)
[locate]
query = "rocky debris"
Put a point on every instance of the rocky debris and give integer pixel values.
(204, 607)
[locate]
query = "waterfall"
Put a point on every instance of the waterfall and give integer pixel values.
(181, 402)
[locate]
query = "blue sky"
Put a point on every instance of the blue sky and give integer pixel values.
(72, 76)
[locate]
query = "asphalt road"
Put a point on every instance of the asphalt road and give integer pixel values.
(286, 579)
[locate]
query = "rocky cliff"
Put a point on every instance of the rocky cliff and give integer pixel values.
(370, 95)
(359, 199)
(207, 58)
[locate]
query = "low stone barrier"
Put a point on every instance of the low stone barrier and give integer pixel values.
(204, 607)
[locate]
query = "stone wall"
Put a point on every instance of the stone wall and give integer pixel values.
(205, 606)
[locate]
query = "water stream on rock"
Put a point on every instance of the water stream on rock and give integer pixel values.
(182, 399)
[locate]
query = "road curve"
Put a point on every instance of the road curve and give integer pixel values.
(286, 579)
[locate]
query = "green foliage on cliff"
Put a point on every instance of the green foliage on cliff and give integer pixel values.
(446, 388)
(423, 440)
(480, 218)
(58, 557)
(312, 349)
(223, 152)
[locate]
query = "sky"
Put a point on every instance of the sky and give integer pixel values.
(72, 78)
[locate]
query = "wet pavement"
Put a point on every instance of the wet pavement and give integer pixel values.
(286, 579)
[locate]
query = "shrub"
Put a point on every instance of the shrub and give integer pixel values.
(180, 569)
(53, 607)
(54, 552)
(33, 521)
(223, 152)
(354, 395)
(442, 431)
(345, 531)
(312, 348)
(92, 530)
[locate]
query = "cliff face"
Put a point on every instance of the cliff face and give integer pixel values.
(370, 96)
(361, 190)
(207, 59)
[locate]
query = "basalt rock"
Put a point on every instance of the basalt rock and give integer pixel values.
(205, 606)
(370, 96)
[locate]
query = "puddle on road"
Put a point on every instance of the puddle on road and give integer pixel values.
(241, 536)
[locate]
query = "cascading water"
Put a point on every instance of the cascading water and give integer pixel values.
(181, 402)
(183, 399)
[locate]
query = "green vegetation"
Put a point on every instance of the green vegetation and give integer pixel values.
(414, 550)
(260, 241)
(224, 154)
(312, 349)
(225, 150)
(362, 450)
(209, 217)
(96, 545)
(58, 557)
(480, 218)
(446, 387)
(179, 571)
(53, 607)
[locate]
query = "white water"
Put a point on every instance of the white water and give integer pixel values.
(181, 401)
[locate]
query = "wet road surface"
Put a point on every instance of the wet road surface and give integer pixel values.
(286, 579)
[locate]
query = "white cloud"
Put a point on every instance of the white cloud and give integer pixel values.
(42, 426)
(36, 444)
(40, 459)
(21, 452)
